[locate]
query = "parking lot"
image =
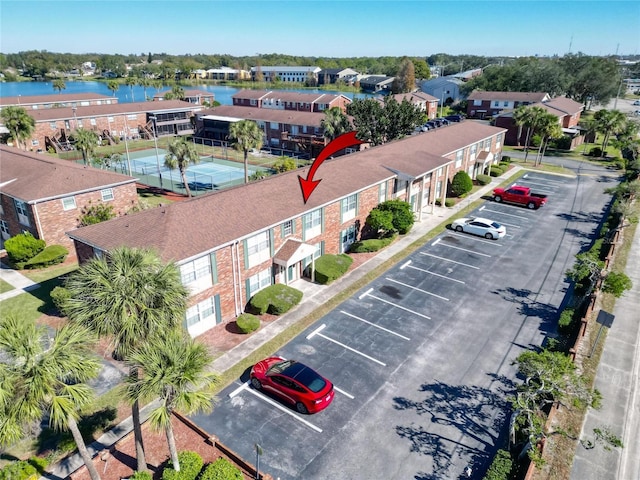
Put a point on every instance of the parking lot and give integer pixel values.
(421, 358)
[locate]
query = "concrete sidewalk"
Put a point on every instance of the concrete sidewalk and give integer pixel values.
(618, 378)
(20, 283)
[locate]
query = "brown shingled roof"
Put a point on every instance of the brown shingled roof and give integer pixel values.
(530, 97)
(31, 177)
(185, 229)
(292, 117)
(53, 98)
(565, 105)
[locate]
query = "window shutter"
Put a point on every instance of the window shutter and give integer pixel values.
(216, 301)
(271, 246)
(322, 219)
(246, 254)
(293, 225)
(282, 230)
(357, 203)
(214, 268)
(247, 285)
(342, 203)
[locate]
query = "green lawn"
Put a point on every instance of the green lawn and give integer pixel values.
(5, 287)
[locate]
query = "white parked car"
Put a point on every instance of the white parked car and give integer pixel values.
(480, 226)
(637, 102)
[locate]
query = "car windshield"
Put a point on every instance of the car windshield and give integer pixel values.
(305, 376)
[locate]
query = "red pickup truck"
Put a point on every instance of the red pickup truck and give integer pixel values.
(520, 195)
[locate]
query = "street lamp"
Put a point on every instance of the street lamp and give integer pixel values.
(155, 141)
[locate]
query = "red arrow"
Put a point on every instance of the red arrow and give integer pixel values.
(345, 140)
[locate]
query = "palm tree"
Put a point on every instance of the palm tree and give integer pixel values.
(335, 123)
(145, 83)
(86, 141)
(181, 154)
(45, 376)
(532, 119)
(246, 135)
(609, 122)
(59, 85)
(590, 127)
(549, 127)
(114, 86)
(178, 92)
(19, 123)
(131, 82)
(175, 369)
(128, 296)
(520, 117)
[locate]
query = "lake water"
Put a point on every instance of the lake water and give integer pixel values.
(126, 95)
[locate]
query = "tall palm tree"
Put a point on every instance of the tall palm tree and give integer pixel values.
(548, 127)
(175, 369)
(114, 86)
(131, 82)
(181, 154)
(59, 85)
(335, 123)
(45, 376)
(86, 141)
(128, 296)
(19, 123)
(145, 83)
(532, 119)
(520, 117)
(609, 122)
(177, 92)
(245, 134)
(590, 127)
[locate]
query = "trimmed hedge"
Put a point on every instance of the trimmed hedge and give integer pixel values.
(51, 255)
(565, 322)
(496, 171)
(23, 247)
(276, 299)
(449, 202)
(145, 475)
(190, 465)
(371, 245)
(20, 470)
(247, 323)
(461, 184)
(330, 267)
(59, 296)
(221, 469)
(402, 215)
(483, 179)
(501, 467)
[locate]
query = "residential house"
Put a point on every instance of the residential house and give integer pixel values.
(53, 126)
(330, 76)
(231, 244)
(57, 100)
(568, 112)
(197, 97)
(300, 74)
(226, 73)
(290, 131)
(285, 100)
(445, 89)
(376, 84)
(46, 196)
(489, 104)
(427, 103)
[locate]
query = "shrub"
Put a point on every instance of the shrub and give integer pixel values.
(20, 470)
(506, 159)
(449, 202)
(380, 220)
(501, 466)
(372, 245)
(23, 247)
(565, 322)
(330, 267)
(276, 299)
(51, 255)
(92, 214)
(284, 164)
(402, 214)
(190, 465)
(616, 283)
(59, 296)
(39, 463)
(461, 184)
(145, 475)
(595, 152)
(221, 469)
(495, 171)
(247, 323)
(483, 179)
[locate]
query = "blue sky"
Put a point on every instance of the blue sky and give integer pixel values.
(367, 28)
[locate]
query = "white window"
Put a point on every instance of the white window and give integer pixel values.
(79, 123)
(23, 214)
(487, 144)
(477, 103)
(472, 152)
(505, 104)
(498, 140)
(93, 121)
(253, 102)
(287, 228)
(35, 143)
(439, 172)
(258, 249)
(201, 312)
(274, 125)
(132, 117)
(196, 275)
(400, 186)
(110, 119)
(496, 103)
(459, 156)
(382, 197)
(4, 228)
(259, 281)
(53, 125)
(348, 207)
(107, 194)
(69, 203)
(347, 237)
(313, 224)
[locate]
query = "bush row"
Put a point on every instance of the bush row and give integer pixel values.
(26, 251)
(275, 299)
(191, 465)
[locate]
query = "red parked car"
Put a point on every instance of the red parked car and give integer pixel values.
(293, 382)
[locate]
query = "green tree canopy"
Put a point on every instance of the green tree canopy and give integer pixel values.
(86, 141)
(180, 154)
(19, 123)
(246, 135)
(335, 123)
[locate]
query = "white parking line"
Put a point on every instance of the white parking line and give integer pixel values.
(348, 395)
(547, 180)
(507, 214)
(418, 289)
(448, 260)
(284, 409)
(365, 294)
(433, 273)
(470, 251)
(544, 184)
(321, 327)
(374, 325)
(510, 225)
(400, 307)
(239, 389)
